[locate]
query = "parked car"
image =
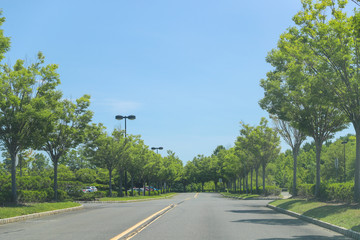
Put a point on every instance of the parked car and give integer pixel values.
(89, 189)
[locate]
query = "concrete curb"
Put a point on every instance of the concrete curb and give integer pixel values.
(344, 231)
(38, 215)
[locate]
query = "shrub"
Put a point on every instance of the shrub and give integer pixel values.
(32, 196)
(306, 190)
(5, 196)
(271, 190)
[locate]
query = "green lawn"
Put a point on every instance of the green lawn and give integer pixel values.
(136, 197)
(243, 196)
(13, 211)
(343, 215)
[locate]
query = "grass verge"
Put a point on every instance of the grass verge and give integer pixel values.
(165, 195)
(243, 196)
(18, 210)
(343, 215)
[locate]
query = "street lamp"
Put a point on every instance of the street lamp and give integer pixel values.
(157, 148)
(344, 142)
(120, 117)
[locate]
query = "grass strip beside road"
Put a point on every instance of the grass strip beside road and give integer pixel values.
(242, 196)
(19, 210)
(110, 199)
(343, 215)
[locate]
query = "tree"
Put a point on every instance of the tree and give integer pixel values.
(104, 153)
(67, 127)
(330, 40)
(295, 92)
(26, 97)
(294, 138)
(269, 144)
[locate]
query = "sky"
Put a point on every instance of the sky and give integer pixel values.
(188, 70)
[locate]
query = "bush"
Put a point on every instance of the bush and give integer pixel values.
(5, 196)
(338, 192)
(306, 190)
(271, 190)
(32, 196)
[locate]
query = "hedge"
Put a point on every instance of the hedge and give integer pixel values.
(337, 192)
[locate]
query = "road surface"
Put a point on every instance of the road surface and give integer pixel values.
(192, 216)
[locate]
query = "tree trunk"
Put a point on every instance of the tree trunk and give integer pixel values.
(121, 182)
(263, 168)
(251, 181)
(318, 145)
(247, 184)
(144, 188)
(294, 188)
(357, 167)
(110, 186)
(55, 162)
(132, 185)
(126, 183)
(202, 187)
(257, 179)
(13, 177)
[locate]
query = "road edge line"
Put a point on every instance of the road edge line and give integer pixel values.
(341, 230)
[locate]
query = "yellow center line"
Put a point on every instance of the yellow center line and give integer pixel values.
(129, 230)
(196, 195)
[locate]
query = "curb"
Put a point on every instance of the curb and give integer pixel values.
(38, 215)
(344, 231)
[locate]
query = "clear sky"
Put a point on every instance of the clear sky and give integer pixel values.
(189, 70)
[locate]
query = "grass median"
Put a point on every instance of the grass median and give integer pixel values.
(112, 199)
(343, 215)
(19, 210)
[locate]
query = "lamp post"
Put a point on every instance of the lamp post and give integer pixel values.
(344, 142)
(120, 117)
(157, 148)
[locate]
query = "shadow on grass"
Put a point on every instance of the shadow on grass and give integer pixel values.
(324, 211)
(288, 205)
(274, 222)
(309, 237)
(258, 211)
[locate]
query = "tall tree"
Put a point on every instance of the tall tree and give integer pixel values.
(294, 138)
(27, 95)
(67, 128)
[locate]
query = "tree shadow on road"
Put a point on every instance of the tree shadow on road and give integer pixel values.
(309, 237)
(283, 222)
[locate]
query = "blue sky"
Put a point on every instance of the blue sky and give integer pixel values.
(189, 70)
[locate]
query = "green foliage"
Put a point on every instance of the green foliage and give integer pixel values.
(30, 196)
(86, 175)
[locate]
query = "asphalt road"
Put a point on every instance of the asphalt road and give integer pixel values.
(202, 216)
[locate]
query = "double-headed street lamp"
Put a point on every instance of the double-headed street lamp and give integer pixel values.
(120, 117)
(157, 148)
(344, 142)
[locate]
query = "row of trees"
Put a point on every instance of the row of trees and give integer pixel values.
(315, 84)
(254, 149)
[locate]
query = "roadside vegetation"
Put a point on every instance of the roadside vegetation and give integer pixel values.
(138, 197)
(52, 150)
(29, 208)
(340, 214)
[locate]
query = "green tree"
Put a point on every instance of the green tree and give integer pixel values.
(26, 96)
(67, 128)
(294, 138)
(328, 44)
